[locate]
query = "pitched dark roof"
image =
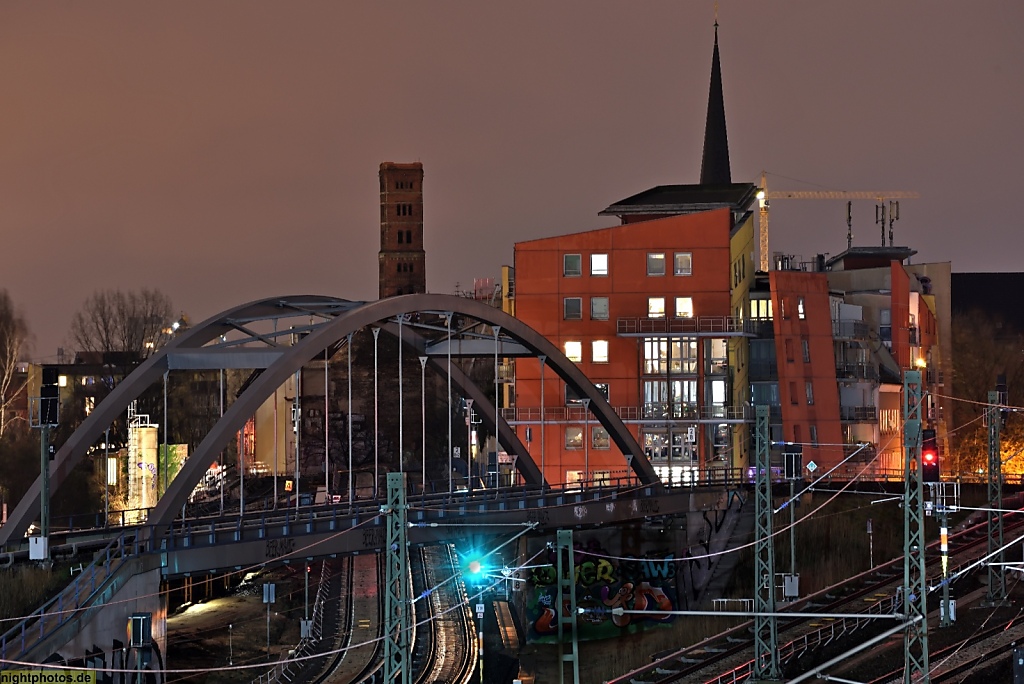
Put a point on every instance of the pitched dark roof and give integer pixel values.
(685, 199)
(714, 165)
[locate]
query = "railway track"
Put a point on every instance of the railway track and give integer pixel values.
(359, 649)
(872, 591)
(446, 640)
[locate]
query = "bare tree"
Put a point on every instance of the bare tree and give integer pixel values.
(112, 320)
(13, 341)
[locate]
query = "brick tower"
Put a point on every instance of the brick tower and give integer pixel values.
(401, 256)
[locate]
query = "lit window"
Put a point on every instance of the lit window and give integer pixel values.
(598, 264)
(599, 350)
(683, 264)
(572, 308)
(62, 380)
(599, 308)
(572, 265)
(574, 351)
(655, 263)
(800, 308)
(655, 307)
(599, 439)
(684, 307)
(810, 393)
(602, 387)
(574, 437)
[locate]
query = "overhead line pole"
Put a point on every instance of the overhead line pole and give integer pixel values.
(915, 588)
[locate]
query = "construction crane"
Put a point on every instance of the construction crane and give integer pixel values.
(764, 196)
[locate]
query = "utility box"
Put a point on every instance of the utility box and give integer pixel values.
(793, 461)
(791, 586)
(305, 629)
(952, 610)
(38, 548)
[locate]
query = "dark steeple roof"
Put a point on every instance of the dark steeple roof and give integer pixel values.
(714, 166)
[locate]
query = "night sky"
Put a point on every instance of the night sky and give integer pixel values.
(224, 152)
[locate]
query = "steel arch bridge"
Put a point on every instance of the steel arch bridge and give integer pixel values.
(250, 336)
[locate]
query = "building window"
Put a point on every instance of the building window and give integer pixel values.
(792, 393)
(574, 437)
(599, 438)
(800, 313)
(574, 351)
(572, 308)
(573, 398)
(599, 308)
(572, 265)
(656, 355)
(401, 236)
(683, 264)
(809, 390)
(789, 349)
(782, 306)
(684, 307)
(814, 435)
(655, 307)
(399, 267)
(655, 263)
(408, 237)
(761, 309)
(598, 264)
(599, 351)
(807, 350)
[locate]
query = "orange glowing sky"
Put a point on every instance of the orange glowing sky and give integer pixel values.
(228, 151)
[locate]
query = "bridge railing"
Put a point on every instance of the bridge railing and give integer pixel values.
(80, 593)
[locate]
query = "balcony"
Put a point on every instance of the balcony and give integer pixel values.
(850, 330)
(701, 325)
(858, 414)
(856, 371)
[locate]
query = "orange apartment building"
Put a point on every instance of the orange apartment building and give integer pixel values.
(644, 309)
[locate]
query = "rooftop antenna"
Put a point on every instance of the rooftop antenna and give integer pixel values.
(849, 224)
(894, 215)
(880, 218)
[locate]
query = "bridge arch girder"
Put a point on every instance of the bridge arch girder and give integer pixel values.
(294, 357)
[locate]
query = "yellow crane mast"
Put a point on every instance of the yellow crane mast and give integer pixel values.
(764, 197)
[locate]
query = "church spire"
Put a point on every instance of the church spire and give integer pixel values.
(714, 166)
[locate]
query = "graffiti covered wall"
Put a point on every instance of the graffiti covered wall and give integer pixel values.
(658, 566)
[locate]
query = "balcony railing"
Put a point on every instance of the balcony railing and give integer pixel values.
(856, 371)
(649, 411)
(850, 330)
(726, 325)
(858, 414)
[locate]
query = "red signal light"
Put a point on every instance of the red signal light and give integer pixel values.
(929, 457)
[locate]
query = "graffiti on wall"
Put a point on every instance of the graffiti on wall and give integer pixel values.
(603, 583)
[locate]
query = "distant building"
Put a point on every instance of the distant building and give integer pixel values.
(401, 257)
